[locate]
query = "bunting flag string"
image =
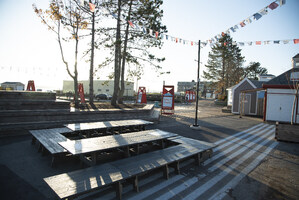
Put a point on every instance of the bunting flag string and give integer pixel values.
(211, 41)
(255, 16)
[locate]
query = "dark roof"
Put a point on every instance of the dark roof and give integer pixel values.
(283, 79)
(297, 56)
(266, 75)
(258, 84)
(12, 83)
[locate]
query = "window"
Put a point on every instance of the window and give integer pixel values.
(107, 90)
(99, 90)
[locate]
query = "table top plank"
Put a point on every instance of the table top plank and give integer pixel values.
(106, 124)
(89, 145)
(49, 138)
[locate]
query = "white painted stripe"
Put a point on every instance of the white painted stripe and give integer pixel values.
(237, 134)
(215, 157)
(221, 193)
(156, 188)
(231, 156)
(238, 138)
(203, 188)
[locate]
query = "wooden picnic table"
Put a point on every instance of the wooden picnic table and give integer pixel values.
(119, 125)
(94, 145)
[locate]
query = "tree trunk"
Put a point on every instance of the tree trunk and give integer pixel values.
(123, 64)
(117, 58)
(91, 62)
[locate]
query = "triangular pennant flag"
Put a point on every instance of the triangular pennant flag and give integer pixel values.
(204, 44)
(258, 42)
(162, 36)
(81, 2)
(282, 2)
(166, 36)
(191, 43)
(157, 34)
(276, 41)
(92, 7)
(151, 32)
(180, 40)
(249, 43)
(248, 20)
(227, 32)
(232, 28)
(296, 41)
(183, 41)
(273, 5)
(234, 43)
(242, 24)
(131, 24)
(264, 11)
(241, 43)
(266, 42)
(257, 16)
(144, 30)
(176, 40)
(236, 27)
(286, 41)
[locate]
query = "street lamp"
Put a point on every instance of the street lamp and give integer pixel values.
(195, 125)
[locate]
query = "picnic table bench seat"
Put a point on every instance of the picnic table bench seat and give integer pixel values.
(83, 181)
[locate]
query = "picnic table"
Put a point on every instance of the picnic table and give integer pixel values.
(95, 145)
(111, 126)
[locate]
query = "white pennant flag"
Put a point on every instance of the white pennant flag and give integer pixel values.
(248, 20)
(286, 41)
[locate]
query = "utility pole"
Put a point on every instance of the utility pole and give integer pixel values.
(195, 125)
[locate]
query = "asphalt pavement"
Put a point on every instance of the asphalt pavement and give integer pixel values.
(248, 163)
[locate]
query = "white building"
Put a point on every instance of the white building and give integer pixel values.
(99, 87)
(280, 97)
(13, 86)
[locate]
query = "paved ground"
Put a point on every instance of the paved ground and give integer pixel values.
(247, 163)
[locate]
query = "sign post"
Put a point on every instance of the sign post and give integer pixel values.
(167, 100)
(195, 125)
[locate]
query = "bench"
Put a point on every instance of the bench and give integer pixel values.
(83, 181)
(48, 140)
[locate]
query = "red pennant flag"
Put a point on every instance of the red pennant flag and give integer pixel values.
(157, 34)
(273, 5)
(242, 24)
(191, 43)
(176, 40)
(131, 24)
(296, 41)
(258, 42)
(92, 7)
(223, 34)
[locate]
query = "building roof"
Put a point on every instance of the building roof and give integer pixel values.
(266, 75)
(297, 56)
(258, 84)
(12, 83)
(282, 80)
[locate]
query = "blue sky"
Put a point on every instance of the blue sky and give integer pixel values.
(29, 51)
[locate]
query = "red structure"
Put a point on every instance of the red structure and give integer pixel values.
(81, 92)
(30, 86)
(167, 100)
(141, 95)
(189, 96)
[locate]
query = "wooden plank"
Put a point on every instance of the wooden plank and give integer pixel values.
(49, 138)
(85, 180)
(106, 124)
(89, 145)
(195, 143)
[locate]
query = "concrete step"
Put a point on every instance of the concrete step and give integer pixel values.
(6, 104)
(26, 95)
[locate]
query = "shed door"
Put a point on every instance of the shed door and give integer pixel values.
(246, 104)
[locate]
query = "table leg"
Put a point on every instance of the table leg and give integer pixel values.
(94, 156)
(33, 140)
(119, 189)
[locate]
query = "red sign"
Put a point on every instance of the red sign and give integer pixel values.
(30, 86)
(141, 95)
(81, 92)
(167, 100)
(189, 96)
